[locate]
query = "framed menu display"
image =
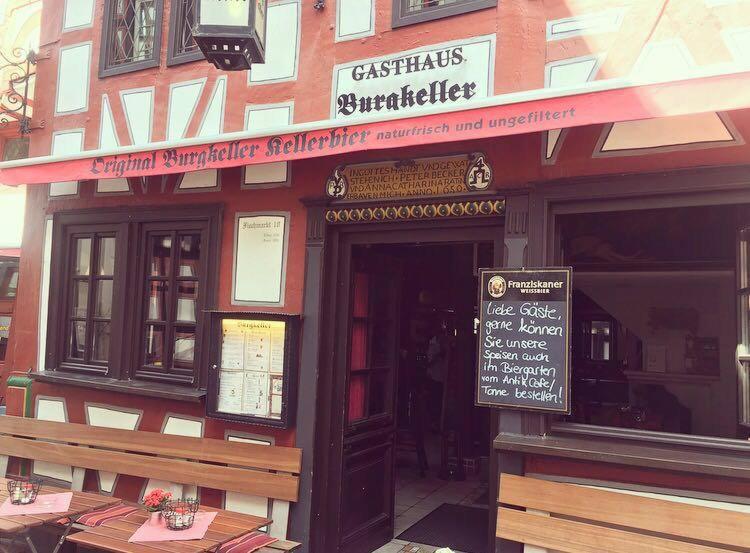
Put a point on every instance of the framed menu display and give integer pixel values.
(253, 367)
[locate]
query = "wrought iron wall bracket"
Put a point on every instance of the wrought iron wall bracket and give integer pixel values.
(14, 100)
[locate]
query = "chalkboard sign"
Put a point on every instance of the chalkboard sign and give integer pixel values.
(524, 339)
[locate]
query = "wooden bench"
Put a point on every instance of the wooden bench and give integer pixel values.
(577, 519)
(257, 470)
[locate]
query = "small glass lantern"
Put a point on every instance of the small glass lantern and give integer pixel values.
(231, 33)
(23, 491)
(180, 514)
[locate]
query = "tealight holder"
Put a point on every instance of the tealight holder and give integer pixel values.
(180, 514)
(23, 491)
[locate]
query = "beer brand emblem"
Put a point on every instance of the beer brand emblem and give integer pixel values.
(337, 185)
(497, 286)
(479, 174)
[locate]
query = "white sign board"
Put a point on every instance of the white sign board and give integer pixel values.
(232, 13)
(446, 74)
(260, 246)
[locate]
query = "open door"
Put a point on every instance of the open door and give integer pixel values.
(369, 429)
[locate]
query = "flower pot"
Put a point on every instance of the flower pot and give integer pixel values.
(155, 518)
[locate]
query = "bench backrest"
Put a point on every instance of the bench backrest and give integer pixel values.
(578, 519)
(266, 471)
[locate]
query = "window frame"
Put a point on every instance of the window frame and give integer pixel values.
(399, 19)
(176, 19)
(742, 353)
(7, 277)
(129, 289)
(108, 71)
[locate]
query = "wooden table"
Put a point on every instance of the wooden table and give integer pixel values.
(18, 526)
(113, 535)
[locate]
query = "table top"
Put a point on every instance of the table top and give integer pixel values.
(113, 535)
(80, 504)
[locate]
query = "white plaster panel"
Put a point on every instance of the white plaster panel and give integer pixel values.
(138, 105)
(213, 118)
(78, 13)
(282, 44)
(208, 178)
(44, 294)
(73, 79)
(663, 61)
(608, 21)
(244, 503)
(112, 186)
(267, 173)
(261, 117)
(183, 99)
(64, 143)
(178, 426)
(52, 409)
(738, 42)
(111, 417)
(354, 19)
(675, 131)
(107, 133)
(567, 73)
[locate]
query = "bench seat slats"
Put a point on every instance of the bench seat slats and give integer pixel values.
(259, 483)
(686, 521)
(576, 537)
(284, 459)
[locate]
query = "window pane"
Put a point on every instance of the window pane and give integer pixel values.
(190, 253)
(77, 339)
(132, 28)
(100, 349)
(184, 35)
(187, 300)
(357, 385)
(184, 347)
(154, 346)
(80, 299)
(160, 255)
(82, 259)
(157, 301)
(106, 256)
(358, 355)
(104, 299)
(4, 333)
(417, 6)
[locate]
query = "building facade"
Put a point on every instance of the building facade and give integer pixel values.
(128, 281)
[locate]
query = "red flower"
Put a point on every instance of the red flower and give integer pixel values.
(155, 499)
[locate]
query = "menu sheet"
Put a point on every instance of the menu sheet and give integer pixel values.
(251, 377)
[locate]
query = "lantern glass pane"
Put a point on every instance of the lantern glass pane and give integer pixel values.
(229, 13)
(260, 20)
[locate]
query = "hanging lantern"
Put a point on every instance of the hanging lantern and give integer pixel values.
(231, 33)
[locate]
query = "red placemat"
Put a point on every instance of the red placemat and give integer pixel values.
(159, 532)
(44, 504)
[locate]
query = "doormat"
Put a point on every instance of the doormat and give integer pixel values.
(458, 527)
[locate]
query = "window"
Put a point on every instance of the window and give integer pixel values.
(131, 36)
(5, 321)
(408, 12)
(8, 279)
(182, 47)
(90, 299)
(128, 294)
(743, 348)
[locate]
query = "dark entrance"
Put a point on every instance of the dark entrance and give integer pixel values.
(400, 402)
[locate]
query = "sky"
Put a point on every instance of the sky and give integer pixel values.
(12, 204)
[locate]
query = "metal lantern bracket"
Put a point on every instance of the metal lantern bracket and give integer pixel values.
(14, 100)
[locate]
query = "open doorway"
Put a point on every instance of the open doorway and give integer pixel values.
(411, 369)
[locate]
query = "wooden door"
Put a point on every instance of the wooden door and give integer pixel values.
(366, 514)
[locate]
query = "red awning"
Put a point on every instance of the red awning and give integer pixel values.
(10, 252)
(600, 102)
